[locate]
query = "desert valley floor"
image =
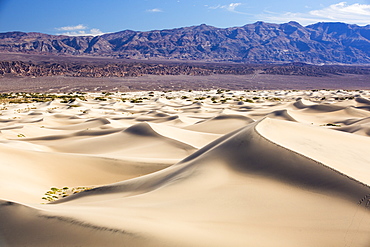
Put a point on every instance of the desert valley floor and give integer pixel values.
(186, 168)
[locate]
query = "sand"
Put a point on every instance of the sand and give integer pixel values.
(199, 168)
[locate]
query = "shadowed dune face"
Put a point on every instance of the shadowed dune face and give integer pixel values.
(188, 169)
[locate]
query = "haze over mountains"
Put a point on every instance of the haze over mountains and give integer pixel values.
(328, 43)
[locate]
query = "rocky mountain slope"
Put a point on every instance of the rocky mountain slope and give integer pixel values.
(134, 69)
(329, 43)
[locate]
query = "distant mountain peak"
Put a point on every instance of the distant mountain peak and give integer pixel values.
(260, 42)
(204, 27)
(294, 23)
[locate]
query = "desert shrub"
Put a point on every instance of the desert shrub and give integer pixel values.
(101, 98)
(331, 124)
(138, 100)
(107, 93)
(55, 193)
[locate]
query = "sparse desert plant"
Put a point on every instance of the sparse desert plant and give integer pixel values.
(107, 93)
(21, 135)
(70, 98)
(274, 99)
(55, 193)
(331, 124)
(34, 97)
(101, 98)
(139, 100)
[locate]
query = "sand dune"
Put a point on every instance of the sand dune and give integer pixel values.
(290, 169)
(92, 123)
(221, 124)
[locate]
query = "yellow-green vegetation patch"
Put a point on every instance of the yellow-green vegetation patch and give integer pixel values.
(55, 193)
(101, 98)
(138, 100)
(19, 98)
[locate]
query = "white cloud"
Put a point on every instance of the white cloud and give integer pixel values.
(229, 7)
(96, 31)
(232, 6)
(214, 7)
(343, 11)
(91, 32)
(340, 12)
(79, 30)
(71, 28)
(154, 10)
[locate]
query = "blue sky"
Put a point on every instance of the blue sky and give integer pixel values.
(92, 17)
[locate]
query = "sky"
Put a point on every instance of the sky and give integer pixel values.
(96, 17)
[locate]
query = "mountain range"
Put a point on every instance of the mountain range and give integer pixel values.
(260, 42)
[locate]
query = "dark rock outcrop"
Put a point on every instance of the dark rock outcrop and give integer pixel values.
(125, 69)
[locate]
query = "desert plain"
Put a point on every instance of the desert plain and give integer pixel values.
(255, 168)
